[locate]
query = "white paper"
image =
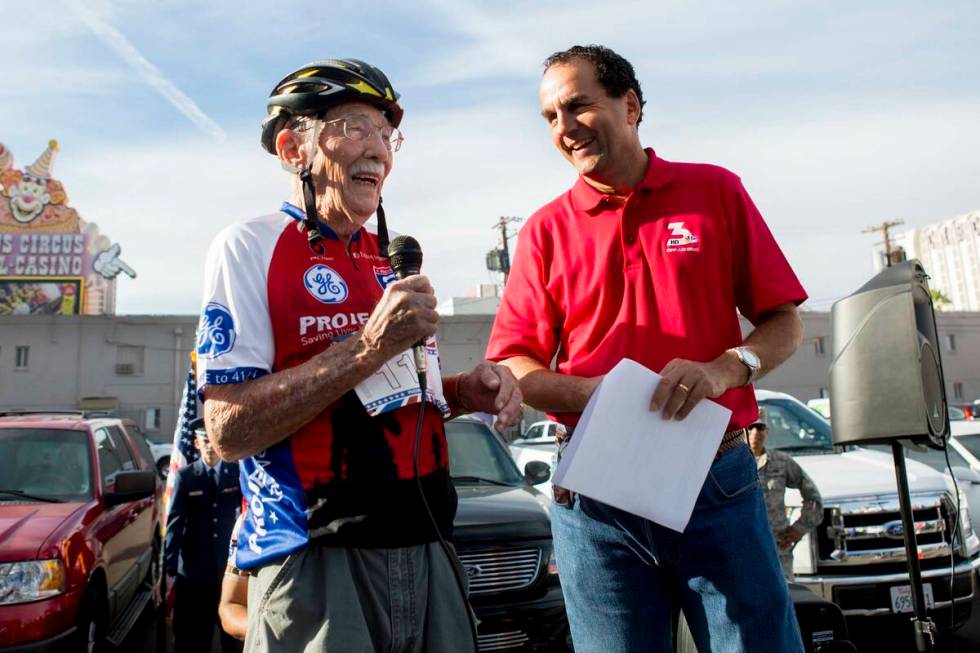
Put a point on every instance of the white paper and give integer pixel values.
(629, 457)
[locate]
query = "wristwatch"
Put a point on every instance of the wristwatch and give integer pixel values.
(750, 360)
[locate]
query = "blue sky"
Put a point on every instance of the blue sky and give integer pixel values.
(836, 116)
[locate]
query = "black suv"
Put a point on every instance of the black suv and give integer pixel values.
(502, 534)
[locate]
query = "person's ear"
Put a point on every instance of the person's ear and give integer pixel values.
(290, 147)
(633, 107)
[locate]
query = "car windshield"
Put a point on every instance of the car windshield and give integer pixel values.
(971, 442)
(477, 456)
(795, 428)
(956, 414)
(44, 464)
(929, 456)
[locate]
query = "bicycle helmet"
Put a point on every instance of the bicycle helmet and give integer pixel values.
(310, 91)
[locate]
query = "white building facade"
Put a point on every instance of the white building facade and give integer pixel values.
(950, 252)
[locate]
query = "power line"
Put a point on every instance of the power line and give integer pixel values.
(883, 228)
(498, 260)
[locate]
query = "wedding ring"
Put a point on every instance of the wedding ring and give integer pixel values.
(684, 388)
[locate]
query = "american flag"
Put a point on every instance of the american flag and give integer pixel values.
(184, 451)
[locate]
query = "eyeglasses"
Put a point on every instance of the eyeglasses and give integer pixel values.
(358, 128)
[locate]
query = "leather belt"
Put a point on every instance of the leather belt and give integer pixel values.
(731, 440)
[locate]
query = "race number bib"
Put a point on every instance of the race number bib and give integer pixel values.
(396, 384)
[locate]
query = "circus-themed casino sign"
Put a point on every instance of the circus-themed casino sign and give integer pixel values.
(51, 261)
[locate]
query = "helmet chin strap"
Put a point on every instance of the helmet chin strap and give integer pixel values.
(382, 230)
(312, 224)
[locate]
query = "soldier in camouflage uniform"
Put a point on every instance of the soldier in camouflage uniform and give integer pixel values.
(778, 471)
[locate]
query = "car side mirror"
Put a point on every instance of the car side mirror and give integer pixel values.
(967, 475)
(131, 486)
(537, 471)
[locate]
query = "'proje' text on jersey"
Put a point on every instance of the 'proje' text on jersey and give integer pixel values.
(272, 302)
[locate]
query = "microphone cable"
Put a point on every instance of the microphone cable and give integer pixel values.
(432, 520)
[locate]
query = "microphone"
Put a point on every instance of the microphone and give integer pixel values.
(405, 256)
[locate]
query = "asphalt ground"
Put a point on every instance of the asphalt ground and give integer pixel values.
(892, 637)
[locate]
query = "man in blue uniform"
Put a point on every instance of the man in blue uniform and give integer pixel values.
(206, 502)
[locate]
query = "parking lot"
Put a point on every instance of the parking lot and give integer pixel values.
(869, 638)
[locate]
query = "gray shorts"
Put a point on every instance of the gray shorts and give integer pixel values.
(329, 599)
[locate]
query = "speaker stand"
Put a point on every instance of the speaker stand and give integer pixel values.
(925, 629)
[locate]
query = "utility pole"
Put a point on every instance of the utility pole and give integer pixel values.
(883, 228)
(502, 263)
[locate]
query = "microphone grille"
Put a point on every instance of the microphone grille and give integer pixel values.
(405, 256)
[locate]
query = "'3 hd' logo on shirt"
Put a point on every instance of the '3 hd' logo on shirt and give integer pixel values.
(681, 239)
(325, 284)
(216, 331)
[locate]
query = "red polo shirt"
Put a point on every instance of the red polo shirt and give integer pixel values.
(654, 278)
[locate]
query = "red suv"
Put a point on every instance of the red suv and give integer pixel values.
(79, 530)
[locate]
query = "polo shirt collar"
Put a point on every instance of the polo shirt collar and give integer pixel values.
(658, 174)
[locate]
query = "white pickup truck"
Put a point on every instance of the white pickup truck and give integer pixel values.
(856, 557)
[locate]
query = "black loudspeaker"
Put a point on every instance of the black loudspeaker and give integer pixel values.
(822, 624)
(886, 378)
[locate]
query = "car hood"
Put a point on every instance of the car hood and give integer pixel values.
(24, 527)
(489, 512)
(965, 427)
(863, 472)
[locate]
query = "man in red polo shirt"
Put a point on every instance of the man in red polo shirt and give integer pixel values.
(652, 260)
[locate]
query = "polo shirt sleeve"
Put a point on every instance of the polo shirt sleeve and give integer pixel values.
(234, 333)
(763, 277)
(528, 320)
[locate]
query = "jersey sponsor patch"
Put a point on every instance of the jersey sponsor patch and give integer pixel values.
(385, 275)
(275, 519)
(325, 284)
(215, 332)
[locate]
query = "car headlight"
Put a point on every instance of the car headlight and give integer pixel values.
(21, 582)
(805, 555)
(552, 564)
(966, 524)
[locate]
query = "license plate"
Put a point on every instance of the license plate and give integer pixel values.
(902, 598)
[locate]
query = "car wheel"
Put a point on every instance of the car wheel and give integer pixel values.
(92, 623)
(163, 467)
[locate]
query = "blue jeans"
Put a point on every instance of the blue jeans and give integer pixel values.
(624, 576)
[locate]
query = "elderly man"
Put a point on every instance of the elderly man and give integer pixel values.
(651, 260)
(778, 471)
(306, 379)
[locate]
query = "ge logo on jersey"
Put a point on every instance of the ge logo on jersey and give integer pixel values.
(216, 331)
(325, 284)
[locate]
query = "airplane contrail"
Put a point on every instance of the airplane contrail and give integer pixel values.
(122, 46)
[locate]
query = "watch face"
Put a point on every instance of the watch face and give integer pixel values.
(750, 358)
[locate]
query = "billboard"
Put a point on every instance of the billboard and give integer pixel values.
(40, 296)
(48, 254)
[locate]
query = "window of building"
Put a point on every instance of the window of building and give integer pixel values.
(950, 339)
(957, 390)
(129, 360)
(824, 393)
(151, 419)
(22, 357)
(818, 346)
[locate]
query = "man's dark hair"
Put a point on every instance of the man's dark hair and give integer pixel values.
(614, 72)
